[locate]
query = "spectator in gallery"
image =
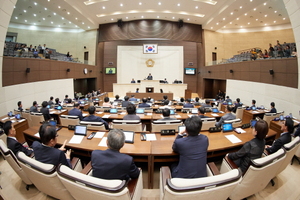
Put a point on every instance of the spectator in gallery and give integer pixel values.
(271, 50)
(132, 80)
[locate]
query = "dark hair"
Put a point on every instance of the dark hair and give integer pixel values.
(126, 98)
(229, 108)
(91, 110)
(34, 103)
(47, 132)
(7, 126)
(262, 128)
(201, 110)
(165, 97)
(197, 99)
(69, 100)
(188, 100)
(149, 98)
(272, 104)
(166, 112)
(253, 101)
(19, 103)
(57, 100)
(117, 96)
(193, 125)
(66, 96)
(115, 139)
(130, 108)
(51, 98)
(106, 99)
(207, 101)
(166, 102)
(132, 95)
(76, 105)
(290, 125)
(44, 104)
(144, 100)
(227, 97)
(238, 100)
(181, 99)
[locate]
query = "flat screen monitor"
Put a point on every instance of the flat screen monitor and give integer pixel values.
(194, 111)
(80, 130)
(129, 136)
(110, 70)
(190, 71)
(172, 112)
(253, 122)
(215, 110)
(58, 107)
(10, 114)
(227, 127)
(140, 111)
(18, 116)
(113, 111)
(82, 102)
(52, 123)
(48, 106)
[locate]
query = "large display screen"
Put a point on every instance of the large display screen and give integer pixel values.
(190, 71)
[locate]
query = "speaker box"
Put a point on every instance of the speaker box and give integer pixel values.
(27, 70)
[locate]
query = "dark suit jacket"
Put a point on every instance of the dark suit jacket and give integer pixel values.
(111, 164)
(193, 152)
(144, 105)
(133, 99)
(76, 112)
(49, 155)
(125, 103)
(46, 113)
(16, 146)
(93, 118)
(273, 110)
(203, 116)
(283, 139)
(188, 105)
(33, 109)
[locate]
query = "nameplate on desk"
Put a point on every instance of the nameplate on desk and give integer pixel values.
(105, 116)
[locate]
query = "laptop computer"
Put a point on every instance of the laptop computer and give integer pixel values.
(80, 130)
(113, 111)
(253, 122)
(194, 111)
(227, 127)
(215, 110)
(129, 136)
(58, 108)
(115, 103)
(172, 112)
(18, 116)
(140, 111)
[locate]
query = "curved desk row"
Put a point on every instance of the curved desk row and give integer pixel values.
(159, 150)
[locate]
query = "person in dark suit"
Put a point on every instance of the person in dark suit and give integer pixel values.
(144, 104)
(111, 164)
(45, 151)
(34, 106)
(188, 104)
(133, 98)
(228, 116)
(57, 103)
(50, 102)
(252, 149)
(131, 113)
(196, 103)
(253, 104)
(237, 104)
(192, 151)
(93, 118)
(201, 112)
(150, 77)
(45, 111)
(20, 106)
(273, 109)
(132, 81)
(207, 103)
(125, 102)
(76, 111)
(166, 114)
(285, 137)
(12, 142)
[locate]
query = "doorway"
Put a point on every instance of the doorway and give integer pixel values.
(86, 57)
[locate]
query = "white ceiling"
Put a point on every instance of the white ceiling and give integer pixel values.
(224, 15)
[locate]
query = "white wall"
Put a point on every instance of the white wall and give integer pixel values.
(36, 91)
(132, 63)
(285, 98)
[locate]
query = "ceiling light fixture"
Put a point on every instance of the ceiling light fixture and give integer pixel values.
(93, 1)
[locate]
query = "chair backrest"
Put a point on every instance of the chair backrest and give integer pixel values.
(235, 122)
(44, 177)
(3, 137)
(99, 126)
(211, 187)
(36, 119)
(128, 125)
(67, 107)
(67, 120)
(82, 186)
(268, 117)
(148, 110)
(101, 108)
(157, 126)
(206, 124)
(26, 115)
(291, 149)
(13, 162)
(239, 112)
(261, 171)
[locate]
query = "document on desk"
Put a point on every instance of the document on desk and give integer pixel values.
(99, 135)
(37, 134)
(150, 136)
(99, 113)
(150, 114)
(5, 118)
(233, 138)
(52, 112)
(103, 142)
(22, 120)
(177, 116)
(106, 116)
(84, 115)
(255, 112)
(76, 139)
(215, 115)
(296, 121)
(123, 113)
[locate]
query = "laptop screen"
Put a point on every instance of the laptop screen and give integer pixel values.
(140, 111)
(18, 116)
(115, 103)
(80, 130)
(52, 122)
(215, 110)
(253, 108)
(172, 112)
(253, 122)
(227, 127)
(194, 111)
(113, 111)
(59, 108)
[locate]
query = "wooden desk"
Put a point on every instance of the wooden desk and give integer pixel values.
(276, 126)
(248, 115)
(20, 126)
(152, 95)
(56, 113)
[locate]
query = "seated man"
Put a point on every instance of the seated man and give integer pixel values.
(273, 109)
(207, 103)
(228, 99)
(237, 104)
(253, 104)
(166, 114)
(196, 103)
(45, 151)
(133, 98)
(76, 111)
(50, 102)
(288, 128)
(131, 114)
(34, 107)
(45, 111)
(228, 116)
(111, 164)
(125, 102)
(57, 103)
(201, 112)
(132, 81)
(192, 151)
(144, 104)
(117, 98)
(93, 118)
(66, 98)
(12, 142)
(188, 104)
(166, 104)
(20, 106)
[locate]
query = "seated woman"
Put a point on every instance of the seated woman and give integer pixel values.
(107, 103)
(252, 149)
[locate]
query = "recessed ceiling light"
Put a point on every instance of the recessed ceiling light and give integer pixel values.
(68, 13)
(76, 18)
(231, 13)
(54, 13)
(266, 24)
(69, 22)
(173, 17)
(126, 17)
(16, 17)
(89, 27)
(34, 15)
(241, 26)
(140, 3)
(43, 18)
(196, 7)
(275, 11)
(188, 19)
(48, 0)
(248, 22)
(256, 19)
(142, 17)
(265, 4)
(112, 19)
(58, 6)
(245, 14)
(211, 27)
(217, 23)
(266, 15)
(224, 18)
(58, 25)
(178, 4)
(103, 7)
(254, 9)
(25, 20)
(51, 22)
(250, 0)
(34, 23)
(82, 22)
(159, 3)
(237, 18)
(274, 21)
(241, 7)
(224, 26)
(14, 6)
(45, 8)
(283, 18)
(76, 26)
(230, 23)
(62, 18)
(121, 4)
(35, 3)
(25, 11)
(157, 16)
